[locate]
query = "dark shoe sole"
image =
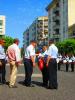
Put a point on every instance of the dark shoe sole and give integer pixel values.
(52, 88)
(29, 85)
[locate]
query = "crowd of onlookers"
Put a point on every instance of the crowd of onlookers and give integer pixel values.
(68, 60)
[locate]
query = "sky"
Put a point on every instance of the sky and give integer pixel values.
(20, 14)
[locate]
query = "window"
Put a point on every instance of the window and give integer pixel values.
(1, 22)
(0, 31)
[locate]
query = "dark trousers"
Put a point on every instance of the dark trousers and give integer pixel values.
(67, 66)
(2, 71)
(72, 67)
(28, 71)
(59, 64)
(52, 68)
(45, 75)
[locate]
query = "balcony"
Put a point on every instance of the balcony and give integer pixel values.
(56, 10)
(1, 22)
(46, 25)
(45, 36)
(27, 38)
(57, 5)
(39, 25)
(46, 28)
(56, 27)
(1, 32)
(40, 30)
(56, 36)
(40, 22)
(56, 18)
(1, 27)
(45, 31)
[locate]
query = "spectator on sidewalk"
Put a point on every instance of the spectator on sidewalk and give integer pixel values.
(14, 57)
(70, 62)
(2, 62)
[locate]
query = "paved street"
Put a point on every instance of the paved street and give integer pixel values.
(66, 89)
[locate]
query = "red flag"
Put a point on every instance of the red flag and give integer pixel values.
(40, 64)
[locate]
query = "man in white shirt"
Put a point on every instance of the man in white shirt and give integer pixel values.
(14, 57)
(2, 62)
(52, 65)
(29, 62)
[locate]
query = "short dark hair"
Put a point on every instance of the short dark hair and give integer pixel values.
(45, 45)
(16, 40)
(33, 41)
(51, 40)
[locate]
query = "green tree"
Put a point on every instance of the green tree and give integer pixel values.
(67, 46)
(8, 40)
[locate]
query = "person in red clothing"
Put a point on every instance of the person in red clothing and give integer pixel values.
(42, 59)
(45, 68)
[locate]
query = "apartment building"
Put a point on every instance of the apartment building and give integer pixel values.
(2, 25)
(26, 38)
(42, 30)
(61, 15)
(71, 31)
(38, 31)
(71, 12)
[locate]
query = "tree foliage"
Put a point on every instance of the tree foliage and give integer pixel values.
(67, 46)
(8, 40)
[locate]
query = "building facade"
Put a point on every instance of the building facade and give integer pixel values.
(42, 30)
(26, 38)
(71, 12)
(60, 18)
(38, 31)
(72, 31)
(2, 25)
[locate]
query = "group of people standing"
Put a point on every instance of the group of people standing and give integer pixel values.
(68, 60)
(49, 70)
(49, 56)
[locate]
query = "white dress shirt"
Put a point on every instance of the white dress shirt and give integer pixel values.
(45, 53)
(59, 58)
(2, 53)
(73, 58)
(52, 51)
(30, 51)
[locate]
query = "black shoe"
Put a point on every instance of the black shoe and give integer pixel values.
(44, 85)
(72, 70)
(4, 82)
(31, 85)
(0, 83)
(52, 88)
(24, 83)
(12, 86)
(7, 83)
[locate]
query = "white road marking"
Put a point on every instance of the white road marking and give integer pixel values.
(33, 75)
